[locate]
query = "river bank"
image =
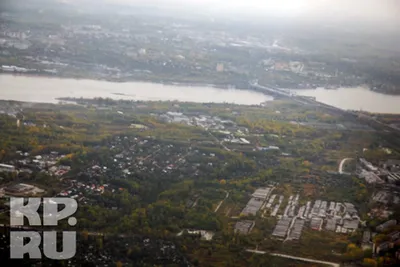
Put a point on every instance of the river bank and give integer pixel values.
(43, 89)
(177, 82)
(172, 82)
(336, 87)
(354, 98)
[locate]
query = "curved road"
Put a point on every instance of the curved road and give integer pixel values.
(333, 264)
(342, 163)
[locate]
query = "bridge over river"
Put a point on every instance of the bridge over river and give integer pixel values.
(312, 101)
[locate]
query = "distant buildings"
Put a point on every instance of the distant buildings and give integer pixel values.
(214, 123)
(13, 69)
(268, 148)
(237, 141)
(175, 117)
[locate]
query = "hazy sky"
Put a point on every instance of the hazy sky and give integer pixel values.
(358, 10)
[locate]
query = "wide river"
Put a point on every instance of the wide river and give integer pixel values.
(356, 98)
(41, 89)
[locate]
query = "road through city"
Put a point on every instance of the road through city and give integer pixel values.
(333, 264)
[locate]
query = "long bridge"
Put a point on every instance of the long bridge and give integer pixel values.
(300, 99)
(312, 101)
(269, 90)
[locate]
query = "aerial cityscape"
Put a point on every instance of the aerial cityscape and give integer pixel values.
(200, 137)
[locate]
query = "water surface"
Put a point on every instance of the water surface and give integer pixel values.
(43, 89)
(357, 98)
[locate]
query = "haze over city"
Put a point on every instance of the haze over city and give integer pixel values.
(369, 10)
(202, 133)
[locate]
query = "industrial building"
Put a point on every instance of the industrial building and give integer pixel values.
(316, 223)
(297, 229)
(315, 209)
(308, 207)
(270, 201)
(262, 193)
(6, 168)
(252, 207)
(332, 216)
(350, 225)
(393, 177)
(282, 227)
(350, 208)
(301, 211)
(255, 203)
(323, 205)
(331, 224)
(370, 177)
(244, 227)
(338, 208)
(368, 165)
(276, 207)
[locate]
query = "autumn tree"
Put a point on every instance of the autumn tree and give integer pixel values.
(85, 235)
(353, 253)
(368, 262)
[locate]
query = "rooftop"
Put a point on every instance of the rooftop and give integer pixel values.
(244, 227)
